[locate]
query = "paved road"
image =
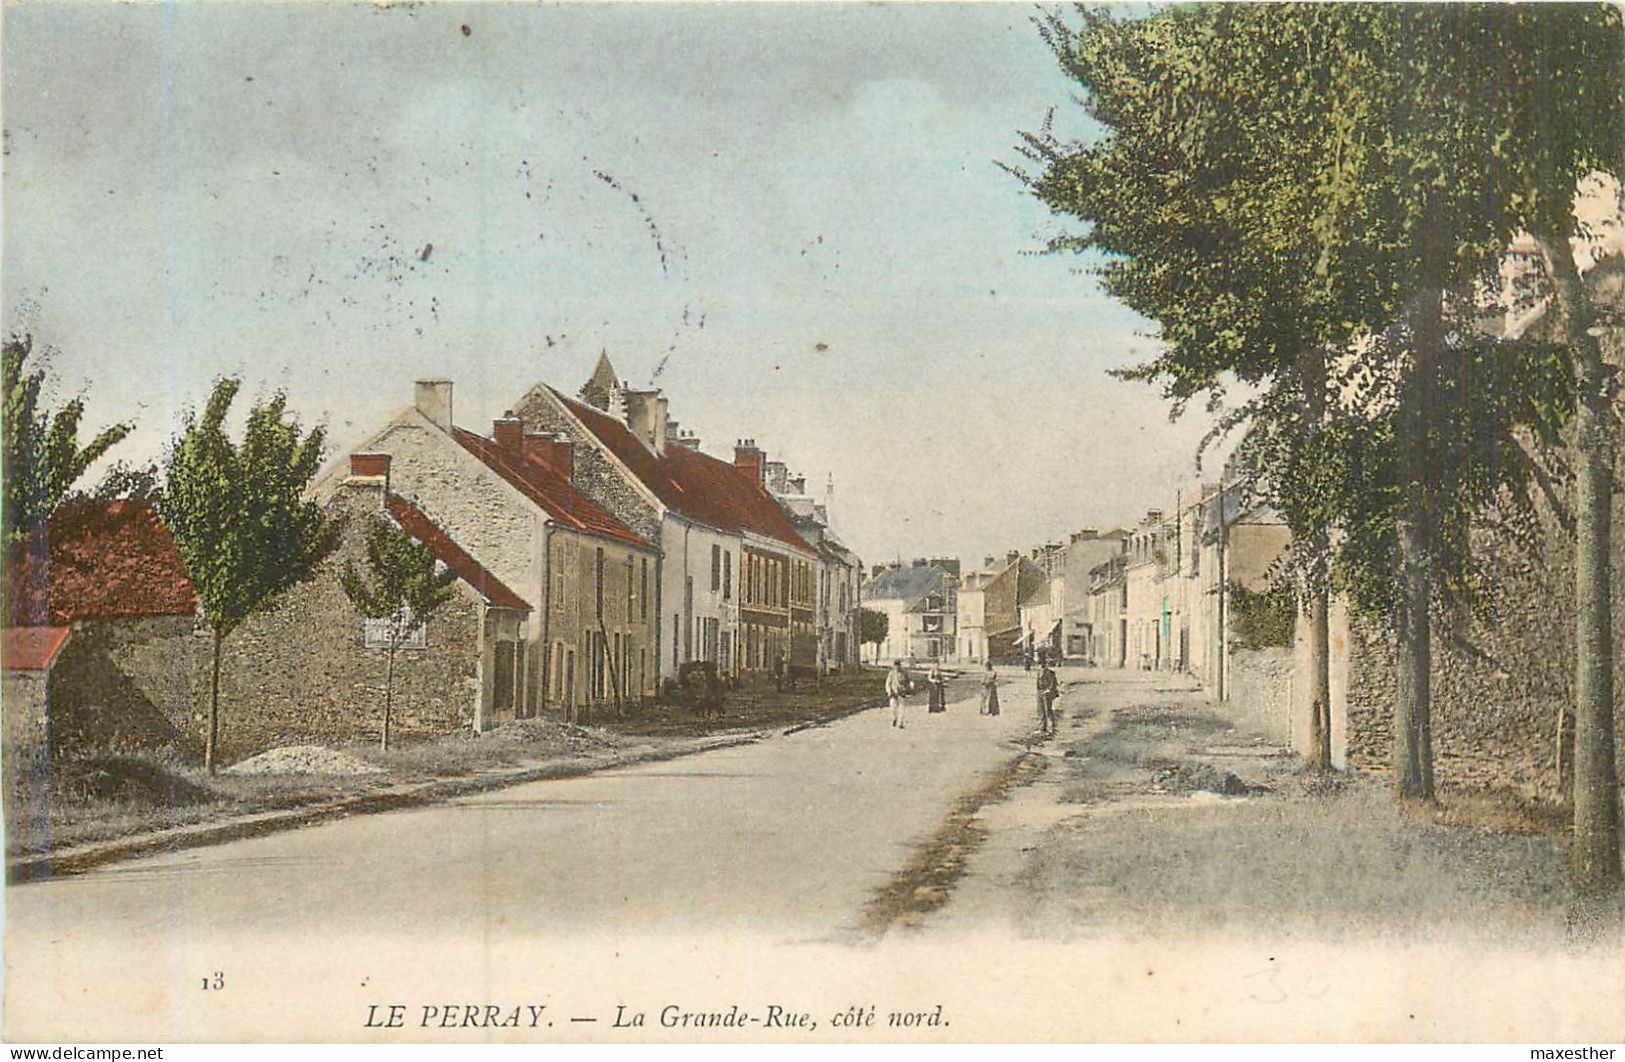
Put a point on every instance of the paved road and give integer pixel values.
(786, 838)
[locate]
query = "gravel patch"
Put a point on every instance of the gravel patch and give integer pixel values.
(303, 759)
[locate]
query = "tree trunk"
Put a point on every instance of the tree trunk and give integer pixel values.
(1413, 693)
(1594, 862)
(1316, 595)
(211, 741)
(1413, 709)
(1320, 686)
(389, 690)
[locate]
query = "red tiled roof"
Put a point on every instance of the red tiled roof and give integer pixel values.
(548, 489)
(98, 560)
(695, 484)
(31, 648)
(414, 522)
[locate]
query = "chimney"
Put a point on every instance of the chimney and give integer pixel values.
(370, 470)
(1013, 556)
(987, 562)
(554, 452)
(433, 400)
(685, 438)
(509, 433)
(748, 459)
(777, 474)
(797, 485)
(646, 418)
(919, 562)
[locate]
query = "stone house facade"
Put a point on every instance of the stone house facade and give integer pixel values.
(1084, 550)
(735, 583)
(507, 499)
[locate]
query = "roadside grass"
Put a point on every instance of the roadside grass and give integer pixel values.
(1347, 862)
(1182, 825)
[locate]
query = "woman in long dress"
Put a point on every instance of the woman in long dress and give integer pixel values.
(990, 691)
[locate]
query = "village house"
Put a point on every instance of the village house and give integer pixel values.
(1108, 612)
(838, 571)
(1084, 550)
(118, 644)
(587, 647)
(1042, 612)
(735, 583)
(993, 612)
(96, 609)
(918, 601)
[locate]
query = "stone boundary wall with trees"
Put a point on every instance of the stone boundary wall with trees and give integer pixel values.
(1499, 685)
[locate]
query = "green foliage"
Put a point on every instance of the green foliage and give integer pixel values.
(872, 626)
(404, 581)
(1263, 620)
(238, 513)
(43, 458)
(1279, 185)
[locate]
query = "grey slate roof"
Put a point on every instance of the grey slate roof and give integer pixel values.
(906, 584)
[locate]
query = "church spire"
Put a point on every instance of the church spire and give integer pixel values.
(602, 384)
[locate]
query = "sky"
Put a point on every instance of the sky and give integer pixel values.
(787, 216)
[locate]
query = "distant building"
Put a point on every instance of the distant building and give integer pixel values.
(737, 584)
(990, 608)
(918, 601)
(1083, 552)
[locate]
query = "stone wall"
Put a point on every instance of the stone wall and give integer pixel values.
(131, 684)
(595, 474)
(1498, 684)
(302, 670)
(299, 672)
(24, 696)
(485, 515)
(1260, 694)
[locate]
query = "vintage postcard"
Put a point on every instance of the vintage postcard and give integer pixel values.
(812, 523)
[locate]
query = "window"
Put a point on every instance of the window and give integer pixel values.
(629, 586)
(675, 631)
(618, 680)
(716, 568)
(643, 590)
(600, 584)
(727, 575)
(375, 632)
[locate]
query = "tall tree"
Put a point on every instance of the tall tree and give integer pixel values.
(239, 516)
(1290, 191)
(1560, 112)
(404, 587)
(872, 627)
(43, 458)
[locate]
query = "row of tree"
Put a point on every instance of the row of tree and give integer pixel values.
(1318, 201)
(239, 512)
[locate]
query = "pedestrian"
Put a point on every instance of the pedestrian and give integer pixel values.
(938, 689)
(897, 685)
(990, 691)
(1048, 690)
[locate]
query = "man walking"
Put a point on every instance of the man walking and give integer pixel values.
(897, 685)
(1049, 688)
